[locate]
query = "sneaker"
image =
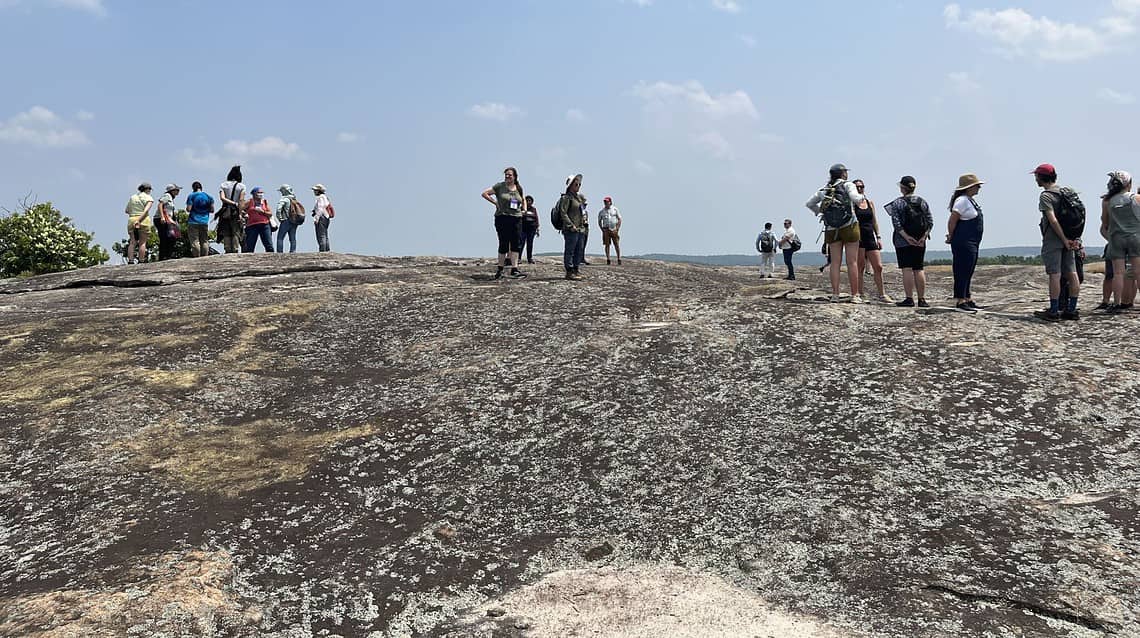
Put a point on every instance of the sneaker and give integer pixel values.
(1074, 315)
(499, 274)
(886, 299)
(584, 262)
(905, 303)
(1104, 305)
(572, 276)
(1114, 309)
(922, 303)
(857, 299)
(619, 261)
(530, 261)
(1047, 315)
(834, 299)
(608, 263)
(965, 307)
(1126, 306)
(972, 305)
(517, 274)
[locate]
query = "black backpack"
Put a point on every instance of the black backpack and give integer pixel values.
(835, 205)
(1070, 211)
(915, 222)
(767, 242)
(556, 215)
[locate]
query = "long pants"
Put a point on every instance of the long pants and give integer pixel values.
(199, 239)
(255, 232)
(231, 233)
(165, 241)
(572, 253)
(788, 252)
(322, 229)
(767, 263)
(964, 245)
(528, 233)
(287, 228)
(581, 256)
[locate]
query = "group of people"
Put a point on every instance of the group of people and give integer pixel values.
(517, 224)
(851, 234)
(243, 218)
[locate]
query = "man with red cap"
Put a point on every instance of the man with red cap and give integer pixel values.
(1060, 241)
(609, 220)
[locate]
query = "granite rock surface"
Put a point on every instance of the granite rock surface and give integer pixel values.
(330, 445)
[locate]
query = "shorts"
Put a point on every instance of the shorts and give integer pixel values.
(1122, 246)
(867, 239)
(1110, 272)
(1058, 259)
(847, 235)
(143, 231)
(911, 257)
(610, 236)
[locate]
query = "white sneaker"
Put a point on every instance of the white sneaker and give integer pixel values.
(834, 299)
(857, 299)
(887, 299)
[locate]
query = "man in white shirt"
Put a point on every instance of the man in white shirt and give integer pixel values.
(789, 243)
(609, 220)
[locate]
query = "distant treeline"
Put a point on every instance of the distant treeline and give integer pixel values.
(997, 260)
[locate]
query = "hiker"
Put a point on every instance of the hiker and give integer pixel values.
(835, 205)
(168, 231)
(572, 210)
(789, 243)
(766, 246)
(290, 215)
(1127, 301)
(323, 214)
(870, 243)
(1060, 238)
(912, 222)
(964, 234)
(509, 200)
(199, 207)
(530, 230)
(609, 220)
(1120, 225)
(257, 222)
(138, 223)
(231, 215)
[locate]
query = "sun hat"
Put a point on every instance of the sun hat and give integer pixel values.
(319, 187)
(573, 177)
(967, 180)
(1044, 170)
(173, 187)
(285, 189)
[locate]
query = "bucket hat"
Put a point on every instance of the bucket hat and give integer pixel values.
(968, 180)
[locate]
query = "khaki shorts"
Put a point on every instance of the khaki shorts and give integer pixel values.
(610, 236)
(1122, 246)
(847, 234)
(144, 226)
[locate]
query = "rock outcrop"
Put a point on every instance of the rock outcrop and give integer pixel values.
(295, 445)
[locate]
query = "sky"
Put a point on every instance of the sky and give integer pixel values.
(703, 119)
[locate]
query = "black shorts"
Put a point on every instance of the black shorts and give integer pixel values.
(911, 257)
(867, 239)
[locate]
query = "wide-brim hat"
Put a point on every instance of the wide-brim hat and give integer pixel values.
(285, 189)
(571, 178)
(319, 187)
(172, 187)
(968, 180)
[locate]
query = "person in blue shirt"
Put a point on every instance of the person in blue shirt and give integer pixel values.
(200, 206)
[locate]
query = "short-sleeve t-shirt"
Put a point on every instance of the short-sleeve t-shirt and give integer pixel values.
(198, 205)
(965, 208)
(136, 205)
(166, 205)
(508, 202)
(1123, 215)
(236, 188)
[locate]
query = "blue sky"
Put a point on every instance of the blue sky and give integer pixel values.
(701, 118)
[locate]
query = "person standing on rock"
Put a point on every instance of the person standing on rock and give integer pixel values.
(964, 234)
(766, 246)
(1120, 225)
(789, 243)
(257, 222)
(231, 215)
(912, 222)
(138, 223)
(166, 224)
(199, 208)
(323, 213)
(609, 221)
(290, 215)
(870, 244)
(1058, 248)
(509, 201)
(530, 230)
(835, 205)
(572, 210)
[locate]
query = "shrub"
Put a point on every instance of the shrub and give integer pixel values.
(38, 239)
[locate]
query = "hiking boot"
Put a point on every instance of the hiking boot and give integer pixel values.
(905, 303)
(517, 274)
(1071, 315)
(572, 276)
(1047, 315)
(499, 274)
(619, 261)
(608, 262)
(922, 303)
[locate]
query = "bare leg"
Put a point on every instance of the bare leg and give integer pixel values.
(1054, 286)
(908, 282)
(920, 283)
(835, 250)
(502, 259)
(862, 268)
(1118, 280)
(876, 259)
(854, 275)
(131, 247)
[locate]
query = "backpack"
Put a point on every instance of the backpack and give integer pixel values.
(835, 205)
(916, 223)
(556, 215)
(767, 242)
(1070, 211)
(795, 244)
(297, 214)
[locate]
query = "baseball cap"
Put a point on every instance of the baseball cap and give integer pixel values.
(1045, 170)
(908, 180)
(607, 199)
(835, 168)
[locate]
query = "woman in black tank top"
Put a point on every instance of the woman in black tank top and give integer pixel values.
(870, 245)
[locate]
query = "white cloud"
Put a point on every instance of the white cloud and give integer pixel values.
(1017, 32)
(1115, 97)
(496, 111)
(95, 7)
(40, 127)
(265, 147)
(728, 6)
(575, 115)
(643, 168)
(963, 83)
(201, 158)
(749, 41)
(713, 144)
(664, 95)
(346, 137)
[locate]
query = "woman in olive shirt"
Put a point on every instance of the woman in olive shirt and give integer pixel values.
(510, 205)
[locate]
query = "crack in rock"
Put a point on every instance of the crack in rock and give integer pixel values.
(1013, 603)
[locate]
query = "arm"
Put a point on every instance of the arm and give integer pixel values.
(853, 193)
(813, 203)
(1051, 217)
(617, 213)
(758, 242)
(952, 224)
(1104, 218)
(489, 195)
(564, 213)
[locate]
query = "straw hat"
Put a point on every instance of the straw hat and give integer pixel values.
(968, 180)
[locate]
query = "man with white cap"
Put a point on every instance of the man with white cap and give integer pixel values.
(165, 224)
(572, 210)
(609, 220)
(323, 213)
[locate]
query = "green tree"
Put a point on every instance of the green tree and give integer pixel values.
(37, 239)
(181, 246)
